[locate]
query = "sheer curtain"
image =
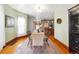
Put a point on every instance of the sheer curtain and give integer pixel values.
(21, 26)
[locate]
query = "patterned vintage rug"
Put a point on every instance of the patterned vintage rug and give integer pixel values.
(47, 48)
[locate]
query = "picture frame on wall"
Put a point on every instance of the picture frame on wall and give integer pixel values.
(9, 21)
(59, 20)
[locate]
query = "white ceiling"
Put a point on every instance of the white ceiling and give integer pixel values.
(48, 11)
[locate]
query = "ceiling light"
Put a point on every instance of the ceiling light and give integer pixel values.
(39, 8)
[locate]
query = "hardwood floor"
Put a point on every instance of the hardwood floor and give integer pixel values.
(53, 48)
(10, 49)
(60, 46)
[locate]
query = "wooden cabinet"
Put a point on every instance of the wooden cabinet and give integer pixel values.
(49, 31)
(48, 26)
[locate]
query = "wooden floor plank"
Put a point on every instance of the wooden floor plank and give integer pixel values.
(60, 46)
(10, 49)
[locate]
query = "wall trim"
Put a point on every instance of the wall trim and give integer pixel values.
(13, 40)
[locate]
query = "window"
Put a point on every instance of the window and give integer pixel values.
(21, 25)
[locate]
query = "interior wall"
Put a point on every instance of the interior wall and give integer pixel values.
(11, 32)
(62, 30)
(30, 23)
(2, 28)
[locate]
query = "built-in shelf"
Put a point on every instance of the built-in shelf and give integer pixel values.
(74, 30)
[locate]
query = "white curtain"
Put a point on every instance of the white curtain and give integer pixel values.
(21, 26)
(2, 28)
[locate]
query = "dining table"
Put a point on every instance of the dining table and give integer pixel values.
(37, 38)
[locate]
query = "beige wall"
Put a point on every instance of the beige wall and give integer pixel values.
(11, 33)
(61, 30)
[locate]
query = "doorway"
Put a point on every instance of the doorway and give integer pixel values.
(49, 26)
